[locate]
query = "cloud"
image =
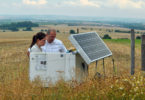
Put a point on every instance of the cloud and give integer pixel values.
(122, 4)
(34, 2)
(89, 3)
(83, 3)
(128, 3)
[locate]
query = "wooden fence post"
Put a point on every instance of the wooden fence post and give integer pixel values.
(132, 51)
(143, 52)
(103, 67)
(77, 30)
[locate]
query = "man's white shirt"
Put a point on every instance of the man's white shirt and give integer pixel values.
(55, 46)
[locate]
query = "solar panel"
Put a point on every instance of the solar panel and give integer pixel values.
(90, 46)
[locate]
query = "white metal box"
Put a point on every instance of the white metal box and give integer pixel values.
(52, 67)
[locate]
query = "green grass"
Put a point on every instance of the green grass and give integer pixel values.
(123, 41)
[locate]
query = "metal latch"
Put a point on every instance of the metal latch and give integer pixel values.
(43, 62)
(61, 55)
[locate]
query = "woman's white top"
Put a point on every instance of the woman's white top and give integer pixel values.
(35, 48)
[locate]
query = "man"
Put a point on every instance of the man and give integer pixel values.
(52, 44)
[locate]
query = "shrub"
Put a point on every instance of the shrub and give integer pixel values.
(72, 32)
(106, 36)
(42, 30)
(138, 37)
(57, 31)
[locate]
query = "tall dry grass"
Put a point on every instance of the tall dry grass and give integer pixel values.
(118, 85)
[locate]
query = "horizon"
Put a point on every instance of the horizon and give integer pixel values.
(66, 16)
(86, 8)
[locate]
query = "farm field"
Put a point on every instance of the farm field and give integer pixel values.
(115, 85)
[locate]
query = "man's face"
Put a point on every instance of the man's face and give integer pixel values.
(51, 36)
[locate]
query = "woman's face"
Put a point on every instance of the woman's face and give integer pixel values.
(41, 42)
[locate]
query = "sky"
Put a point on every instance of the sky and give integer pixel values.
(96, 8)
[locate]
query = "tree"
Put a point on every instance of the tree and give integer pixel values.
(27, 29)
(13, 29)
(15, 26)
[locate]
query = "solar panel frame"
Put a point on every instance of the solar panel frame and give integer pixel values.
(82, 52)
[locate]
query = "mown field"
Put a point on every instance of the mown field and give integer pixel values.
(115, 85)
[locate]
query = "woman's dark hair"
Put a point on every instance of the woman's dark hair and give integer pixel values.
(39, 35)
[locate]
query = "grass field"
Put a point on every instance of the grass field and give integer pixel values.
(118, 85)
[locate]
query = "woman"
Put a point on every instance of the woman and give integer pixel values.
(37, 41)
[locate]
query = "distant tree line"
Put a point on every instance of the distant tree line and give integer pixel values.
(139, 26)
(122, 31)
(16, 26)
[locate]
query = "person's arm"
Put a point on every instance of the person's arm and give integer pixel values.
(63, 48)
(28, 52)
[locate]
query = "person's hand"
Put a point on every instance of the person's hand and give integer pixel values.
(28, 53)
